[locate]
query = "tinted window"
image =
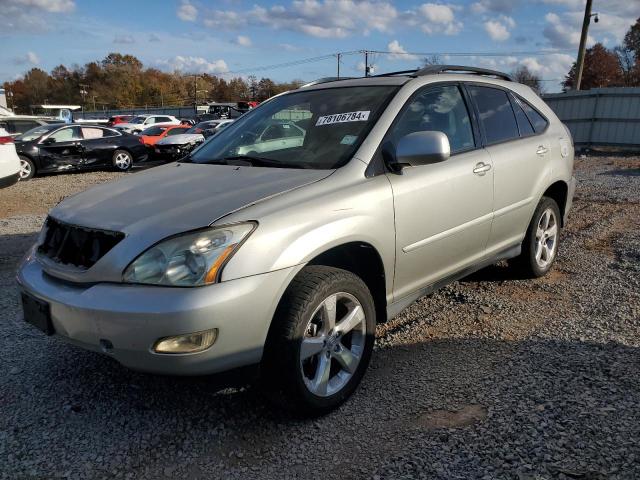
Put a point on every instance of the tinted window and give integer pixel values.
(524, 125)
(538, 121)
(177, 131)
(21, 126)
(496, 114)
(153, 131)
(162, 119)
(441, 109)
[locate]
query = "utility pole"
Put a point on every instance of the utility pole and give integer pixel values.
(338, 55)
(366, 63)
(583, 41)
(195, 93)
(83, 92)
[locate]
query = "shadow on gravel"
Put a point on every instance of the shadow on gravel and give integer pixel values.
(623, 172)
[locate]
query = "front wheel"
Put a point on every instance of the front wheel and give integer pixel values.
(122, 160)
(540, 245)
(321, 341)
(27, 168)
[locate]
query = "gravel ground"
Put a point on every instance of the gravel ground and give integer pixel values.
(492, 377)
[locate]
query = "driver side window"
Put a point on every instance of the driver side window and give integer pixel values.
(440, 109)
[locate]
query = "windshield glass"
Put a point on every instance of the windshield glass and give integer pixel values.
(35, 133)
(137, 120)
(153, 131)
(319, 129)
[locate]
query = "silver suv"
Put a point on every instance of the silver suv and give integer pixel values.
(286, 257)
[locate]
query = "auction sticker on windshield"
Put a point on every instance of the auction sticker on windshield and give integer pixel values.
(361, 116)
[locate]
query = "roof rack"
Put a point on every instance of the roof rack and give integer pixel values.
(435, 69)
(325, 80)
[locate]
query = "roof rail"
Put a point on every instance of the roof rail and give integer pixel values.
(400, 72)
(435, 69)
(325, 80)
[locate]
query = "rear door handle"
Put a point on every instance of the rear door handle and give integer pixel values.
(542, 150)
(481, 168)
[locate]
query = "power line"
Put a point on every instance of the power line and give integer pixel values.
(340, 55)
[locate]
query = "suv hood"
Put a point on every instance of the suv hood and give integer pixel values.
(176, 198)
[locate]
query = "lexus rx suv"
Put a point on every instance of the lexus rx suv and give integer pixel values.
(286, 257)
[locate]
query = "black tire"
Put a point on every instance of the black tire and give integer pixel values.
(283, 374)
(30, 165)
(118, 162)
(526, 263)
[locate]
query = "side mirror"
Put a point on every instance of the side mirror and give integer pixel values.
(421, 148)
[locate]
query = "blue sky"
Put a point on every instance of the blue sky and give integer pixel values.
(227, 36)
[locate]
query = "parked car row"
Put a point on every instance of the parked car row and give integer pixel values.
(62, 147)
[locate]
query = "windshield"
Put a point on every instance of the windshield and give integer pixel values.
(153, 131)
(35, 133)
(137, 120)
(319, 129)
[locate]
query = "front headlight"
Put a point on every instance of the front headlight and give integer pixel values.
(190, 259)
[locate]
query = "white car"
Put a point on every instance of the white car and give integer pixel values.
(9, 161)
(275, 136)
(142, 122)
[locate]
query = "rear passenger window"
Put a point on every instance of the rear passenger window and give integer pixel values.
(538, 121)
(496, 114)
(523, 122)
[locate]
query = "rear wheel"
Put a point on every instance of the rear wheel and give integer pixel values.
(122, 160)
(27, 168)
(321, 341)
(540, 245)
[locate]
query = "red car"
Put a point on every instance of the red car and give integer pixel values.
(118, 119)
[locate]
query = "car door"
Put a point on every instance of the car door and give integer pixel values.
(98, 146)
(516, 152)
(443, 210)
(61, 149)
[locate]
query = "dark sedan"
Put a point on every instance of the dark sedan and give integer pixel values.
(62, 147)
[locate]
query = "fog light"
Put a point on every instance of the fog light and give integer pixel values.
(188, 343)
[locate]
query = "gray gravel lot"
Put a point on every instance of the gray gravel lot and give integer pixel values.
(491, 377)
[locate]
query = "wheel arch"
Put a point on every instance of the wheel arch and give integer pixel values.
(361, 259)
(558, 191)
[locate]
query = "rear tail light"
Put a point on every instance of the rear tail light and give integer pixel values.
(6, 140)
(141, 140)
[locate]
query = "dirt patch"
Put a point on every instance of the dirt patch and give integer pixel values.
(464, 417)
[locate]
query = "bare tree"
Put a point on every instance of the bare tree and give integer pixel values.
(432, 60)
(523, 75)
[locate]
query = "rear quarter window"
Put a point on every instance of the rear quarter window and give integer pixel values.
(537, 120)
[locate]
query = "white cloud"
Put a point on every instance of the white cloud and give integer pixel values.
(289, 48)
(28, 58)
(562, 33)
(317, 18)
(398, 52)
(53, 6)
(32, 16)
(498, 30)
(187, 12)
(124, 39)
(615, 18)
(194, 65)
(434, 18)
(243, 41)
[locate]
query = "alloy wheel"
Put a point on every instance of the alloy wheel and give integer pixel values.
(25, 169)
(546, 238)
(123, 161)
(333, 344)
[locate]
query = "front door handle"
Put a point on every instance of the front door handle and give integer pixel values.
(542, 150)
(481, 168)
